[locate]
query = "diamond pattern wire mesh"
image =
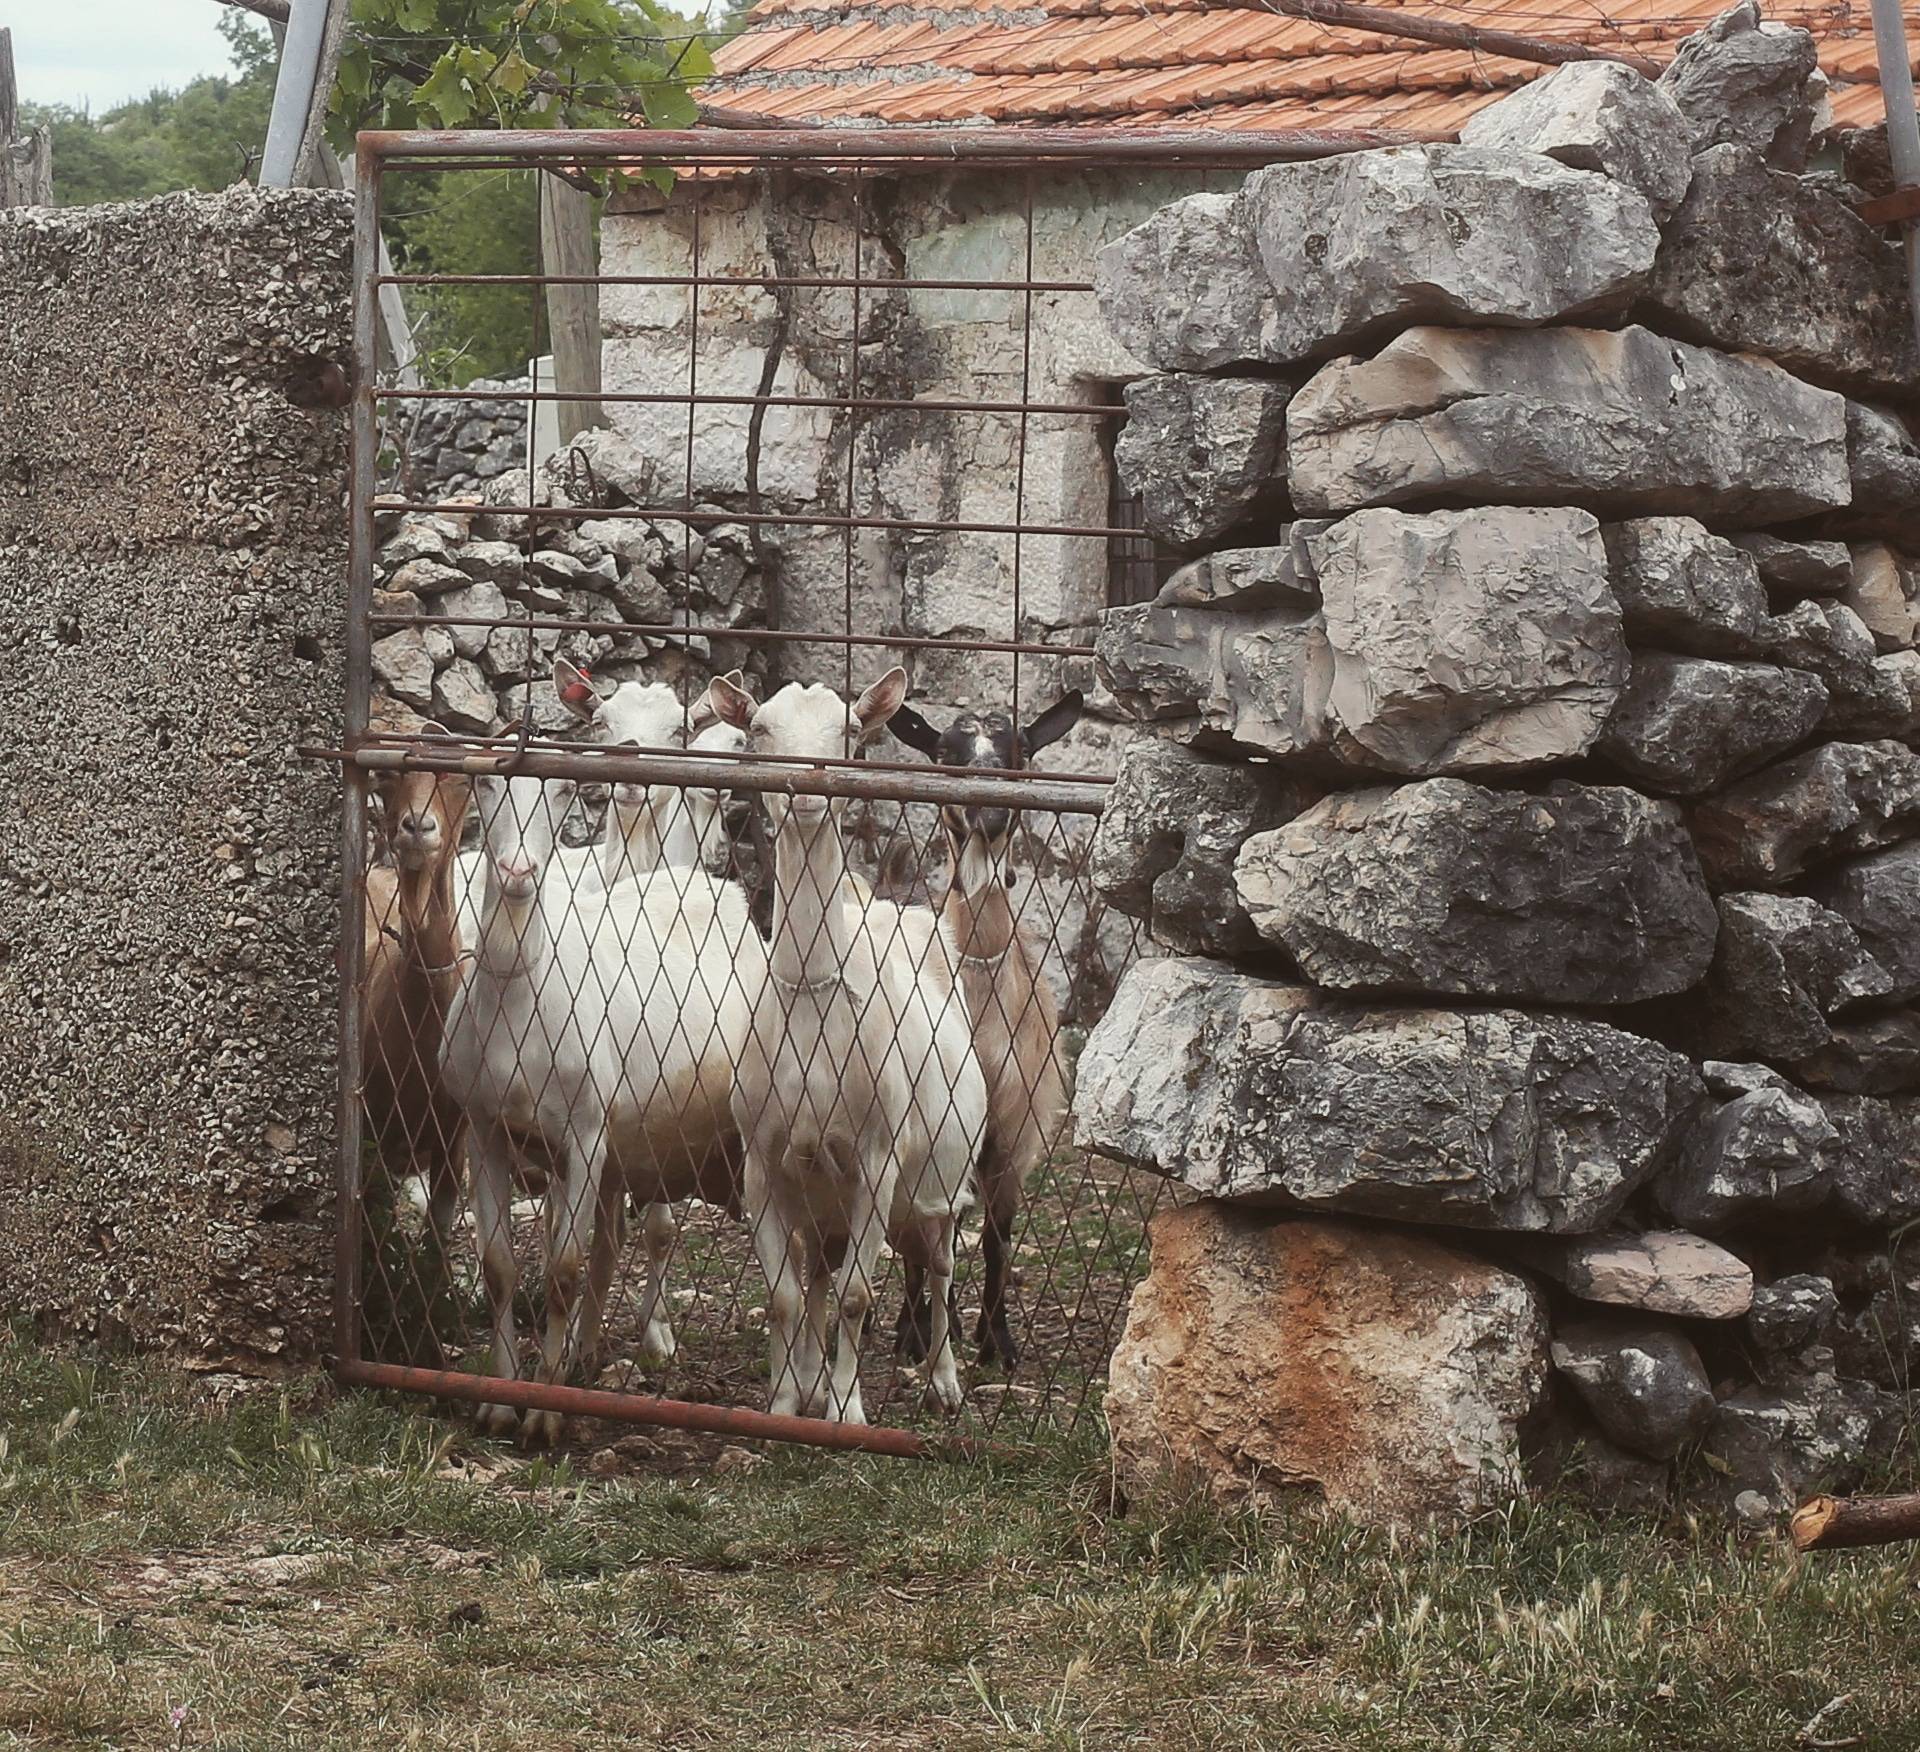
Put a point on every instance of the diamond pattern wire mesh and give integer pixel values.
(686, 1308)
(705, 1098)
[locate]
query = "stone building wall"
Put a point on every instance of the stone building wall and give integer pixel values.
(1533, 810)
(445, 449)
(172, 577)
(925, 344)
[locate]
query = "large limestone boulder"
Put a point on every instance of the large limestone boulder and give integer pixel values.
(1663, 1271)
(1584, 895)
(1386, 1372)
(1468, 639)
(1879, 897)
(1813, 1432)
(1763, 1153)
(1867, 1055)
(1449, 641)
(1876, 1166)
(1790, 570)
(1686, 725)
(1685, 589)
(1253, 1090)
(1174, 822)
(1595, 115)
(1247, 680)
(1279, 576)
(1839, 798)
(1750, 83)
(1644, 1383)
(1883, 589)
(1782, 964)
(1883, 460)
(1625, 422)
(1368, 242)
(1185, 289)
(1205, 454)
(1759, 261)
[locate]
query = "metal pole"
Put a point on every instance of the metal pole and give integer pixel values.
(353, 812)
(289, 126)
(1903, 129)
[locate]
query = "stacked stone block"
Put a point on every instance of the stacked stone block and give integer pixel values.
(1532, 808)
(472, 559)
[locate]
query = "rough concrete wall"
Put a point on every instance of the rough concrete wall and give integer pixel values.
(172, 566)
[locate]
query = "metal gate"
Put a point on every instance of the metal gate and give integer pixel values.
(547, 1203)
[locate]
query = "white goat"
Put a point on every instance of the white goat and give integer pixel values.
(859, 1101)
(599, 1029)
(652, 827)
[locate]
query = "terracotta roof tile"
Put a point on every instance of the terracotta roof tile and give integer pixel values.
(1171, 63)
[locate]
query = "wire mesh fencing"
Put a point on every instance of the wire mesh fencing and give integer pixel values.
(595, 1031)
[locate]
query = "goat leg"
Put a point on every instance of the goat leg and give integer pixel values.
(572, 1205)
(780, 1264)
(658, 1232)
(913, 1326)
(492, 1168)
(609, 1235)
(943, 1374)
(993, 1332)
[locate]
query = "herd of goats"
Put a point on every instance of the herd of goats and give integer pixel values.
(608, 1022)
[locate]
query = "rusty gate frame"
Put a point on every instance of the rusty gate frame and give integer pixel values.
(365, 751)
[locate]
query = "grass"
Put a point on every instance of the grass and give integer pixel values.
(307, 1570)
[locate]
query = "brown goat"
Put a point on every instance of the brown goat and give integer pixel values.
(413, 968)
(1016, 1023)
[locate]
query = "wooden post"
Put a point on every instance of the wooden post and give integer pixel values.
(1830, 1523)
(573, 312)
(26, 165)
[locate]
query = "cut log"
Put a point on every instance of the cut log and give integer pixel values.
(1831, 1523)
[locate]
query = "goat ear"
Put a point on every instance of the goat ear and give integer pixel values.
(915, 731)
(879, 703)
(730, 701)
(1054, 722)
(576, 690)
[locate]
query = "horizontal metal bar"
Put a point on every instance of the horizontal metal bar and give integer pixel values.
(702, 398)
(637, 1408)
(866, 780)
(1035, 146)
(811, 281)
(1893, 209)
(674, 514)
(764, 635)
(510, 743)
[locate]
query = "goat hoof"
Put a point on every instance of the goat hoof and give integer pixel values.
(913, 1332)
(945, 1393)
(543, 1429)
(996, 1345)
(495, 1420)
(658, 1345)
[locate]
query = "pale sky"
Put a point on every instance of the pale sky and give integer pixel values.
(98, 53)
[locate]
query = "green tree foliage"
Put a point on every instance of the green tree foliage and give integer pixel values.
(471, 222)
(415, 64)
(516, 64)
(204, 136)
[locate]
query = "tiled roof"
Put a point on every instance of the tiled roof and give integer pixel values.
(1141, 63)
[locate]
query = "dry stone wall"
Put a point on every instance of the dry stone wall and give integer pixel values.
(1532, 809)
(172, 582)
